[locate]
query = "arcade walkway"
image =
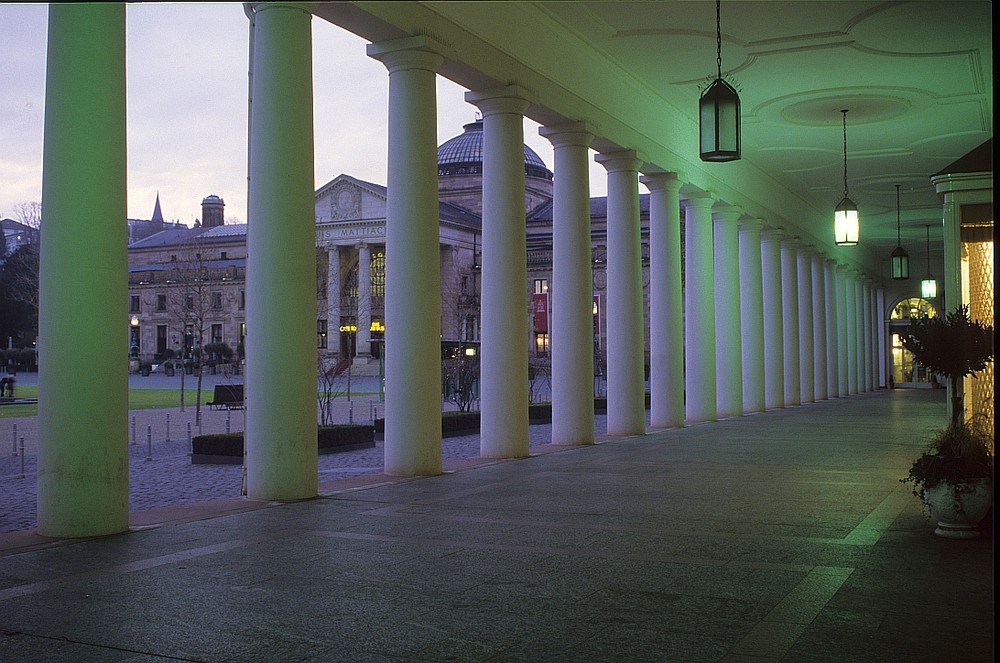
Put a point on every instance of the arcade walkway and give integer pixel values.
(783, 536)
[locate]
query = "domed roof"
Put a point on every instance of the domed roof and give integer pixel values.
(457, 155)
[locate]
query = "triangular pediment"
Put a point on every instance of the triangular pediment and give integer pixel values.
(347, 199)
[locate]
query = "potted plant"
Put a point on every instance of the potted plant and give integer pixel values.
(954, 476)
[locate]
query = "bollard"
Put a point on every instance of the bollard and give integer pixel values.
(133, 429)
(168, 426)
(189, 434)
(149, 443)
(13, 451)
(371, 410)
(22, 459)
(228, 414)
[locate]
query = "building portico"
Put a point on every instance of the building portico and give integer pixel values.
(726, 283)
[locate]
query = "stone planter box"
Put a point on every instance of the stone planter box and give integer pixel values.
(227, 448)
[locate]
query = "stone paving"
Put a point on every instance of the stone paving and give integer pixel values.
(160, 469)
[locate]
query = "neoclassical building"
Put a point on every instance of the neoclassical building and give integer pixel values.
(350, 266)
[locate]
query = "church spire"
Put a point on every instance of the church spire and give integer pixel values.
(157, 214)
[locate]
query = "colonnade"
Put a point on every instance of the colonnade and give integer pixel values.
(761, 320)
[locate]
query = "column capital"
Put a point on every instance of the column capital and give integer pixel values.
(771, 234)
(669, 182)
(726, 213)
(257, 7)
(620, 160)
(509, 99)
(417, 52)
(567, 135)
(751, 224)
(698, 199)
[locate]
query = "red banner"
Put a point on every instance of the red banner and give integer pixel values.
(540, 310)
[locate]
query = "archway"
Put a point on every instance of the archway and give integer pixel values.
(905, 372)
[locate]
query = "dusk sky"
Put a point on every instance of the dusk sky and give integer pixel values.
(187, 108)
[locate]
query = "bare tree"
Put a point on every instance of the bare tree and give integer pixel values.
(29, 213)
(193, 297)
(460, 300)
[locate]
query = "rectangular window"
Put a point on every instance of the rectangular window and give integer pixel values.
(217, 333)
(217, 300)
(133, 304)
(321, 341)
(541, 286)
(161, 302)
(243, 299)
(189, 302)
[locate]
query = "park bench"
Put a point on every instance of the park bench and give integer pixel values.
(228, 397)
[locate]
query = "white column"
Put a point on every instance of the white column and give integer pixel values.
(774, 352)
(699, 310)
(364, 337)
(881, 331)
(728, 345)
(83, 412)
(752, 315)
(851, 307)
(859, 331)
(819, 310)
(843, 340)
(626, 343)
(281, 270)
(866, 288)
(666, 310)
(807, 367)
(503, 350)
(572, 331)
(790, 319)
(333, 297)
(832, 329)
(412, 273)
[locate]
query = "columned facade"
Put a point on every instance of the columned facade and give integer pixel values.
(364, 338)
(666, 311)
(281, 458)
(572, 332)
(819, 313)
(413, 282)
(832, 329)
(807, 366)
(752, 315)
(774, 352)
(82, 419)
(728, 344)
(843, 340)
(503, 352)
(626, 369)
(851, 306)
(699, 310)
(867, 329)
(790, 319)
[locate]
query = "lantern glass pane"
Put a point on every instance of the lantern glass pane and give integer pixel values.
(845, 227)
(928, 288)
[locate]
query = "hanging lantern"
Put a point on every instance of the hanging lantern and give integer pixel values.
(719, 110)
(845, 216)
(928, 287)
(899, 260)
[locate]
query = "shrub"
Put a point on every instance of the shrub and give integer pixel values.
(344, 437)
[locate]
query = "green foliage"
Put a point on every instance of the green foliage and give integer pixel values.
(953, 345)
(958, 454)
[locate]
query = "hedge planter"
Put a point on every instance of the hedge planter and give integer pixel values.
(227, 448)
